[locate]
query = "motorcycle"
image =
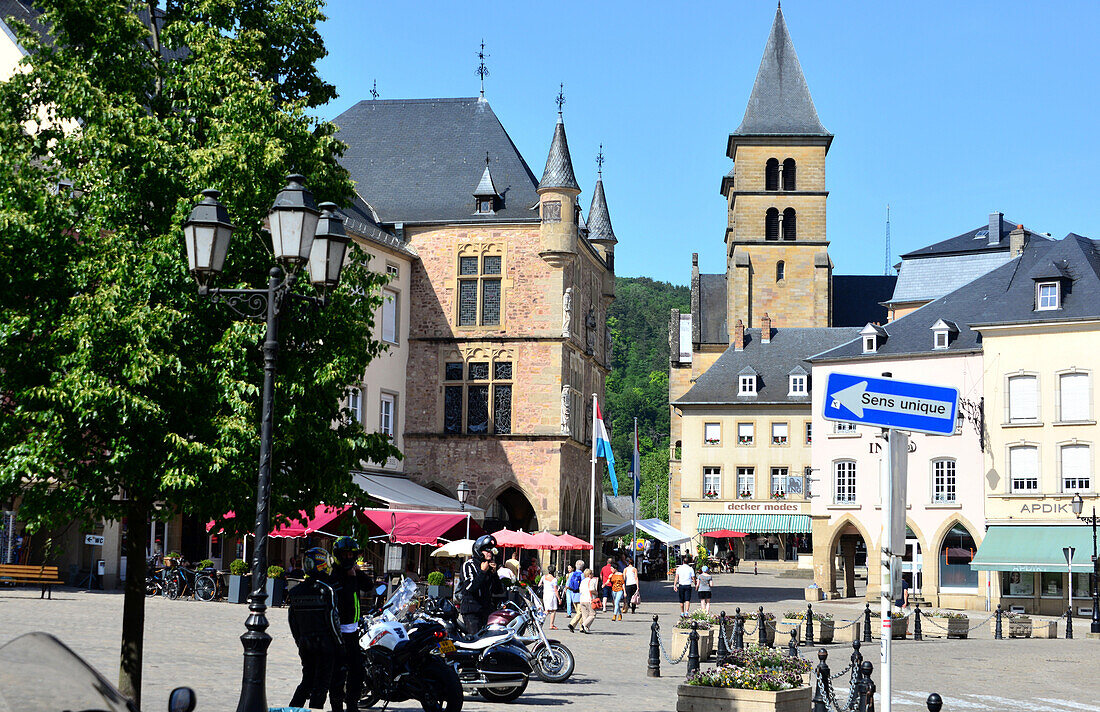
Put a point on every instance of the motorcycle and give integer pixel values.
(39, 673)
(493, 663)
(399, 661)
(550, 658)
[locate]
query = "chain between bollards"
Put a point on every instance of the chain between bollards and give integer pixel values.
(653, 669)
(693, 649)
(823, 677)
(867, 624)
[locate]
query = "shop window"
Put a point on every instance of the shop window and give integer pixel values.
(1018, 583)
(1050, 584)
(955, 556)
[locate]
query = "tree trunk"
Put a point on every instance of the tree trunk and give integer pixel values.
(133, 603)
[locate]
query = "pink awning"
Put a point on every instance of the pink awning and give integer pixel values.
(511, 539)
(546, 540)
(573, 542)
(304, 524)
(414, 527)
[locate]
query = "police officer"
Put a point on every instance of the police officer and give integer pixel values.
(316, 628)
(347, 583)
(480, 583)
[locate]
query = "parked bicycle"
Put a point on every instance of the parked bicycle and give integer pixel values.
(154, 577)
(181, 581)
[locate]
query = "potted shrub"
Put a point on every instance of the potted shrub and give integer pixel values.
(238, 581)
(823, 625)
(205, 564)
(436, 587)
(276, 585)
(756, 679)
(705, 627)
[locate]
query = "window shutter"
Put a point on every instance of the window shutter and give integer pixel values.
(1023, 462)
(711, 432)
(1075, 461)
(744, 430)
(389, 317)
(1023, 398)
(779, 430)
(1074, 395)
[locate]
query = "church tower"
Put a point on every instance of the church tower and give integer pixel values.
(776, 249)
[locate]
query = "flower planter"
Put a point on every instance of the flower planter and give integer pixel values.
(238, 588)
(848, 634)
(680, 639)
(1044, 629)
(823, 631)
(276, 591)
(899, 628)
(697, 698)
(958, 627)
(1012, 627)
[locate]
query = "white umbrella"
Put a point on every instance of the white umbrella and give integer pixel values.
(459, 547)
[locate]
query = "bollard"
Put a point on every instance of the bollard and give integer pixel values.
(761, 629)
(723, 650)
(867, 687)
(867, 624)
(917, 635)
(693, 649)
(654, 667)
(809, 624)
(997, 627)
(935, 703)
(1069, 623)
(754, 571)
(861, 689)
(857, 657)
(820, 701)
(739, 630)
(792, 645)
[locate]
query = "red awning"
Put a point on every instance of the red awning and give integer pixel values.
(514, 539)
(414, 527)
(305, 524)
(724, 534)
(573, 542)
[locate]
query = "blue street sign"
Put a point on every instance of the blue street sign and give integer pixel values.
(891, 404)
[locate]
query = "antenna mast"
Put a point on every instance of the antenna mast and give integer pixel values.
(886, 262)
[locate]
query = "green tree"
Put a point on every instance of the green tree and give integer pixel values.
(120, 387)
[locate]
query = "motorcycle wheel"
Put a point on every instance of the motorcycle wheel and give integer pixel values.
(152, 588)
(553, 664)
(442, 681)
(502, 694)
(368, 699)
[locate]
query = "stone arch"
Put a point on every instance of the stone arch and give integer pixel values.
(842, 528)
(510, 506)
(938, 538)
(440, 488)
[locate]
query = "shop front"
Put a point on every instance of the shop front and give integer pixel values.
(769, 536)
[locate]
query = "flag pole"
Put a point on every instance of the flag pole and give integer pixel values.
(592, 512)
(636, 464)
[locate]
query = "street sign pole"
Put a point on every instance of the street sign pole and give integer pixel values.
(894, 479)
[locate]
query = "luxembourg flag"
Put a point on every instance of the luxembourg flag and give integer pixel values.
(602, 445)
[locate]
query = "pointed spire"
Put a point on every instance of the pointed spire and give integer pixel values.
(559, 166)
(780, 103)
(599, 219)
(486, 188)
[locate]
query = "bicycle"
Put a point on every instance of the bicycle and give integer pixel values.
(181, 580)
(154, 578)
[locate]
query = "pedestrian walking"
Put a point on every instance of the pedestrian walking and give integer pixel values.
(630, 577)
(605, 580)
(573, 587)
(618, 593)
(704, 584)
(585, 613)
(550, 595)
(315, 625)
(684, 582)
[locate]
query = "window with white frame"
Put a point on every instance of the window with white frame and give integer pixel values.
(712, 481)
(393, 270)
(746, 482)
(355, 405)
(870, 344)
(1023, 398)
(844, 482)
(1073, 397)
(1046, 296)
(779, 481)
(940, 341)
(745, 434)
(779, 433)
(712, 433)
(389, 316)
(1023, 468)
(797, 385)
(387, 413)
(842, 427)
(1076, 463)
(746, 384)
(943, 480)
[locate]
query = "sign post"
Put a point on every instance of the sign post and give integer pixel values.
(1067, 551)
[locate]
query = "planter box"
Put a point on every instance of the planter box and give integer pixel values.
(823, 631)
(276, 591)
(958, 627)
(813, 594)
(680, 639)
(850, 634)
(899, 628)
(238, 588)
(1044, 629)
(441, 591)
(696, 698)
(1012, 628)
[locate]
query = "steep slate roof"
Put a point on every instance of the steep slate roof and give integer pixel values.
(1005, 295)
(773, 362)
(486, 187)
(415, 160)
(857, 298)
(970, 242)
(559, 166)
(780, 103)
(599, 219)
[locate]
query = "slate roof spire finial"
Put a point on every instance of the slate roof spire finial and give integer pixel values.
(560, 99)
(482, 70)
(599, 164)
(559, 166)
(599, 219)
(374, 90)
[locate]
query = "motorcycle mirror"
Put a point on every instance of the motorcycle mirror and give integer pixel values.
(182, 699)
(381, 590)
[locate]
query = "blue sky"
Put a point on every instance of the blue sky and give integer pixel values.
(944, 111)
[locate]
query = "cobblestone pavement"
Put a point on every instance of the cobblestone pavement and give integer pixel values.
(196, 644)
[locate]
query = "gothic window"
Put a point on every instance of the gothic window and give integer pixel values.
(788, 174)
(788, 224)
(479, 290)
(467, 406)
(780, 271)
(771, 175)
(771, 224)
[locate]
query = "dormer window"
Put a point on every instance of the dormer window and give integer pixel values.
(870, 344)
(942, 333)
(1047, 296)
(486, 194)
(797, 385)
(485, 205)
(746, 383)
(941, 340)
(873, 336)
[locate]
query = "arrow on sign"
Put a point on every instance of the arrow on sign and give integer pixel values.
(856, 397)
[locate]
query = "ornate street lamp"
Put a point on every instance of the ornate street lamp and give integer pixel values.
(463, 492)
(299, 233)
(1078, 505)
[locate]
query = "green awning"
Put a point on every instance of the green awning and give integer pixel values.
(1034, 548)
(756, 523)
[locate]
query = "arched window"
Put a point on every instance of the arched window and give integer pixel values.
(956, 554)
(788, 174)
(788, 224)
(771, 224)
(771, 175)
(780, 270)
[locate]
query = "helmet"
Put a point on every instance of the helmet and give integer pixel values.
(316, 561)
(485, 542)
(345, 543)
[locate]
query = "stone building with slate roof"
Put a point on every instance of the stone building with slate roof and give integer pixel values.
(506, 304)
(778, 278)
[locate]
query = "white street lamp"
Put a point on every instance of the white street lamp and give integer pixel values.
(293, 223)
(207, 233)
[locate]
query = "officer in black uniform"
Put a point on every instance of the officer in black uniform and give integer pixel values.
(315, 627)
(480, 583)
(348, 582)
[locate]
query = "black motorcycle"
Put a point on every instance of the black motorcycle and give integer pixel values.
(400, 662)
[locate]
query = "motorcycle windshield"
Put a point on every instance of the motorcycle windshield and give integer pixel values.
(398, 604)
(39, 673)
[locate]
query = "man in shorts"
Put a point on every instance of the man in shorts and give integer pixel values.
(684, 582)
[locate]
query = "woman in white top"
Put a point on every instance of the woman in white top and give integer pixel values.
(703, 582)
(630, 574)
(550, 595)
(585, 614)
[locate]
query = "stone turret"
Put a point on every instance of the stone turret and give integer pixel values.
(601, 234)
(558, 191)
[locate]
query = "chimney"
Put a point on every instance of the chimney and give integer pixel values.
(1016, 241)
(996, 224)
(765, 328)
(739, 336)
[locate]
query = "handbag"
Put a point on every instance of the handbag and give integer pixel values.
(636, 599)
(597, 604)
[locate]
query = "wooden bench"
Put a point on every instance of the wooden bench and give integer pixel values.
(40, 574)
